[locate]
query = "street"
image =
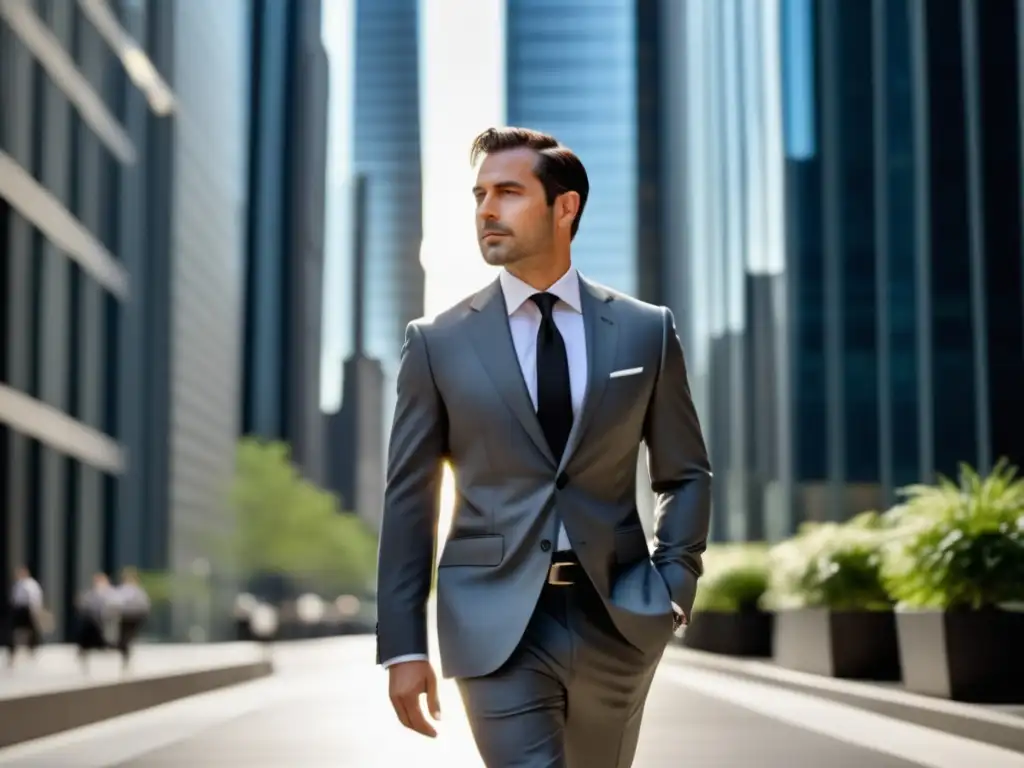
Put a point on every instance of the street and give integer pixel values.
(327, 708)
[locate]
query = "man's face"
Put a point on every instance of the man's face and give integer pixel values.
(513, 218)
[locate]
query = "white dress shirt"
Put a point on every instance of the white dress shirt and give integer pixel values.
(131, 599)
(524, 319)
(27, 593)
(524, 322)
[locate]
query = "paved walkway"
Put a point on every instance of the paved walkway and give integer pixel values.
(327, 708)
(55, 667)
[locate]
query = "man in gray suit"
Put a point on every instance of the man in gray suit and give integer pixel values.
(552, 611)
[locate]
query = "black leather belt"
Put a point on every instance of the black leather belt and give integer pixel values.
(565, 570)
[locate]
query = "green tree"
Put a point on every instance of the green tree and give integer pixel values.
(289, 526)
(163, 587)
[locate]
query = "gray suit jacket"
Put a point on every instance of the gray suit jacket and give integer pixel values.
(461, 397)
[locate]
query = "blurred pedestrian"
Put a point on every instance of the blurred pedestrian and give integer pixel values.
(97, 610)
(133, 606)
(26, 609)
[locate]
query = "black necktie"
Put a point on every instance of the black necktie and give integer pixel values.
(554, 395)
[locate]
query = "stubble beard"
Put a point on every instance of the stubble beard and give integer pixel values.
(500, 256)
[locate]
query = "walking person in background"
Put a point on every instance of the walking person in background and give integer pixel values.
(96, 608)
(552, 613)
(26, 610)
(133, 607)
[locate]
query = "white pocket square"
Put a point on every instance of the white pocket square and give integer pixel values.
(625, 372)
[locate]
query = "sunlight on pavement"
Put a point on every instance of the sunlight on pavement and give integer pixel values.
(366, 709)
(328, 707)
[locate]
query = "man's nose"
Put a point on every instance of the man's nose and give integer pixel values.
(487, 210)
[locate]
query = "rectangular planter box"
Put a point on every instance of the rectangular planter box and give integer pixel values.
(975, 656)
(747, 633)
(859, 645)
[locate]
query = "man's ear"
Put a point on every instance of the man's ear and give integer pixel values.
(567, 205)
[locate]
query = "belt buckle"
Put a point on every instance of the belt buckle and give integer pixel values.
(555, 575)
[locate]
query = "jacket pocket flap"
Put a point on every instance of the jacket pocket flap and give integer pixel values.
(486, 550)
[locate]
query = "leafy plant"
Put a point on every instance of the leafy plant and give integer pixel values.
(735, 577)
(164, 587)
(159, 586)
(830, 565)
(286, 525)
(964, 542)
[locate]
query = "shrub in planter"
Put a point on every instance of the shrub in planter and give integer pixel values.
(958, 577)
(833, 614)
(726, 618)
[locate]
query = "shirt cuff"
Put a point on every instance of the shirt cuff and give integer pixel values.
(402, 659)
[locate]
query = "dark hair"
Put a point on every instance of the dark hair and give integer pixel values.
(558, 168)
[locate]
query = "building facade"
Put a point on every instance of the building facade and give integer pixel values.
(851, 285)
(386, 152)
(208, 203)
(284, 278)
(120, 225)
(588, 72)
(355, 432)
(384, 213)
(61, 282)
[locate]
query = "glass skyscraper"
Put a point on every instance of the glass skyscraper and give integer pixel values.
(572, 72)
(723, 264)
(122, 194)
(852, 294)
(286, 232)
(386, 151)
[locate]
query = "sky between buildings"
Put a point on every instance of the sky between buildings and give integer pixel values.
(462, 92)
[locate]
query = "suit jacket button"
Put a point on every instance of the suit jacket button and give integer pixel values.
(545, 545)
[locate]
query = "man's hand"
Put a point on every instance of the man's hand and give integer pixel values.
(408, 681)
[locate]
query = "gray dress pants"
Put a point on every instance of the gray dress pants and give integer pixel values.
(572, 694)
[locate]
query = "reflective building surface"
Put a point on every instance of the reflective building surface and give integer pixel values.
(209, 199)
(724, 266)
(384, 212)
(572, 71)
(850, 291)
(63, 283)
(120, 224)
(285, 266)
(386, 152)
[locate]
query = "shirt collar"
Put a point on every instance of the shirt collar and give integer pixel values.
(517, 293)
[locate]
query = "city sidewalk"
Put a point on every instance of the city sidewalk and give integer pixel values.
(56, 668)
(327, 707)
(1000, 725)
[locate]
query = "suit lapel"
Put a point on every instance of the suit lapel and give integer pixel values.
(602, 344)
(492, 341)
